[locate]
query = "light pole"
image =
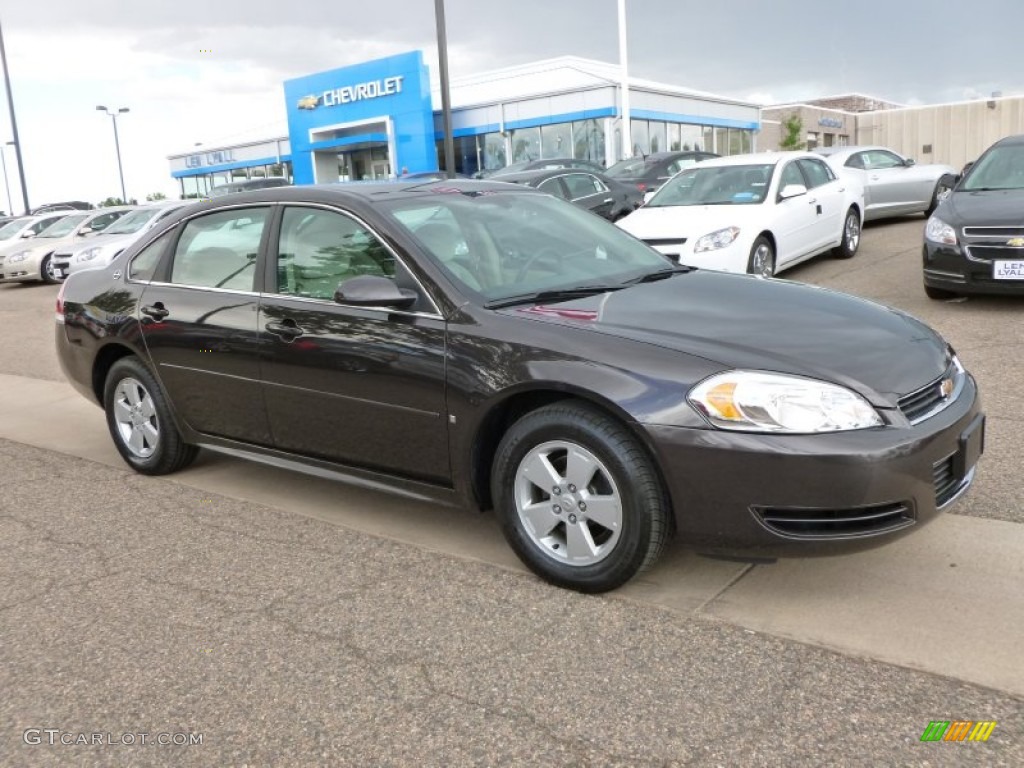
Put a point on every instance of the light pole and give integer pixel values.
(117, 146)
(7, 183)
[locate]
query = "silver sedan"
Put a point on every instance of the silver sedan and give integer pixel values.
(893, 185)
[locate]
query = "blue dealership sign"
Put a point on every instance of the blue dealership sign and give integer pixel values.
(374, 104)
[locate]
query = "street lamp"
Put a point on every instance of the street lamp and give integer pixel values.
(117, 145)
(7, 183)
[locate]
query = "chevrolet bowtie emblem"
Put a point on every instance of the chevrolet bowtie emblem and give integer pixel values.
(1015, 242)
(946, 387)
(309, 102)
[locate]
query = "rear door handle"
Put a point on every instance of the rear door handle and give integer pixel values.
(287, 330)
(155, 311)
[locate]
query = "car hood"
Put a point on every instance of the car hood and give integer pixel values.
(995, 208)
(739, 321)
(37, 245)
(689, 221)
(95, 240)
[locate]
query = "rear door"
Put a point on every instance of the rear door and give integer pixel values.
(588, 191)
(199, 322)
(363, 386)
(894, 187)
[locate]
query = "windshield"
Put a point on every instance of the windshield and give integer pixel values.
(12, 228)
(509, 244)
(133, 222)
(716, 185)
(1000, 168)
(63, 227)
(629, 168)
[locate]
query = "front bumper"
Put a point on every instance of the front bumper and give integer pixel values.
(20, 271)
(756, 495)
(950, 268)
(733, 258)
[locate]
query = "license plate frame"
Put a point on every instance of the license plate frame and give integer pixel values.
(970, 447)
(1006, 269)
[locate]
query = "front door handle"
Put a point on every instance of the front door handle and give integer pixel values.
(155, 311)
(287, 330)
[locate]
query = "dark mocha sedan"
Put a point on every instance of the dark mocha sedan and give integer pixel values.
(484, 344)
(587, 189)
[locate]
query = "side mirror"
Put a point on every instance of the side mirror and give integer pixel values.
(648, 195)
(967, 167)
(373, 291)
(909, 161)
(792, 190)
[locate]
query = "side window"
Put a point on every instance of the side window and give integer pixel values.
(817, 172)
(877, 159)
(143, 266)
(319, 250)
(104, 221)
(855, 161)
(553, 187)
(41, 225)
(791, 175)
(219, 250)
(582, 185)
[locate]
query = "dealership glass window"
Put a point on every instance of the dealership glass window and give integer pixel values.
(842, 140)
(525, 144)
(588, 141)
(219, 250)
(722, 141)
(674, 139)
(493, 145)
(708, 139)
(690, 137)
(735, 141)
(466, 155)
(556, 140)
(659, 138)
(641, 137)
(746, 141)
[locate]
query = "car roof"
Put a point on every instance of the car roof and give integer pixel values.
(369, 191)
(757, 158)
(544, 173)
(1010, 140)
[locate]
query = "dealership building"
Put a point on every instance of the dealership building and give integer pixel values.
(380, 118)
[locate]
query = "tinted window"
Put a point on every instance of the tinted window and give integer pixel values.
(105, 220)
(552, 187)
(817, 172)
(219, 250)
(1000, 168)
(582, 185)
(683, 162)
(319, 250)
(143, 266)
(855, 161)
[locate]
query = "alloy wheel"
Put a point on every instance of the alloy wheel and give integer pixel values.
(135, 417)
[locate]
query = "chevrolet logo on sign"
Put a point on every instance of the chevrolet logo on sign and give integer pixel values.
(1015, 242)
(309, 102)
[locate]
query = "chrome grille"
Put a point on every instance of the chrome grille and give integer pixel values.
(836, 523)
(994, 252)
(930, 399)
(989, 232)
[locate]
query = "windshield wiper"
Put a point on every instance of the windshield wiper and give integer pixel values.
(661, 274)
(563, 294)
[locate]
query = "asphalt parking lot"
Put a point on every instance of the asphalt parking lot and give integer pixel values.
(293, 621)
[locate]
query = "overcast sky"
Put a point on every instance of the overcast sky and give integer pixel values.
(211, 71)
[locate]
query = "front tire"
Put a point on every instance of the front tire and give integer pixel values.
(46, 271)
(761, 262)
(140, 421)
(851, 236)
(938, 293)
(578, 498)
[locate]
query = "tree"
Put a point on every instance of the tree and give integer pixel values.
(792, 133)
(110, 201)
(152, 197)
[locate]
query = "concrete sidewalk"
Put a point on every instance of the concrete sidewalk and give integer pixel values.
(948, 599)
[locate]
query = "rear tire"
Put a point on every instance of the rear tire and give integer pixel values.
(851, 236)
(578, 498)
(46, 270)
(140, 421)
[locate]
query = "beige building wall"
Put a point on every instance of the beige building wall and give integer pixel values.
(952, 134)
(829, 127)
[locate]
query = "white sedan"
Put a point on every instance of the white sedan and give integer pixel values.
(755, 214)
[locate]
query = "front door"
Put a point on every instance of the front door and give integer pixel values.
(360, 386)
(796, 220)
(199, 323)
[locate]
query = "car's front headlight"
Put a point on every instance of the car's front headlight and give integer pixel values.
(758, 401)
(19, 256)
(939, 231)
(88, 254)
(717, 239)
